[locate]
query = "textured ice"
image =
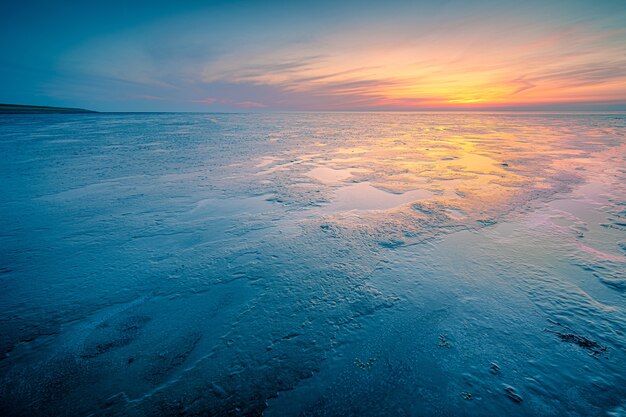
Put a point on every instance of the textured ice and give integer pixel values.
(313, 264)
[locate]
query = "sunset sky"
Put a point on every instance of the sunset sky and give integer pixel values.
(335, 55)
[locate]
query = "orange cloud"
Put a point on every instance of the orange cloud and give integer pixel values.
(566, 64)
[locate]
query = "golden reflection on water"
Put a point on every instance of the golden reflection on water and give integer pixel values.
(474, 165)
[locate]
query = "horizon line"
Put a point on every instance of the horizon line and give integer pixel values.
(80, 110)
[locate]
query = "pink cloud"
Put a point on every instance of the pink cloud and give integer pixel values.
(209, 100)
(249, 104)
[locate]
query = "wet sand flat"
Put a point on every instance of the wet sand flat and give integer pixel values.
(313, 264)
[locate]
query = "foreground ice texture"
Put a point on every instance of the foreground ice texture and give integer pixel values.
(313, 264)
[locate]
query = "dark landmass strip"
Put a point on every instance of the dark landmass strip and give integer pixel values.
(22, 109)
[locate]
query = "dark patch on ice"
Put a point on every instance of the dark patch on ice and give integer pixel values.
(614, 225)
(494, 368)
(391, 243)
(364, 365)
(275, 200)
(443, 342)
(171, 356)
(512, 394)
(422, 208)
(617, 218)
(37, 331)
(467, 396)
(113, 333)
(287, 337)
(591, 346)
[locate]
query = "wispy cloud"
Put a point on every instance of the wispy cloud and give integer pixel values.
(246, 104)
(413, 57)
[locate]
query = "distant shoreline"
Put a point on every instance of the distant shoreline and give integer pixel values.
(29, 109)
(25, 109)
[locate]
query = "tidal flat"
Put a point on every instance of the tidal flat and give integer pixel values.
(313, 264)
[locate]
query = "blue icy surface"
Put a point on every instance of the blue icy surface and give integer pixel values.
(313, 265)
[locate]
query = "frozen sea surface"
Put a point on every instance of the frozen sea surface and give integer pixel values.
(313, 265)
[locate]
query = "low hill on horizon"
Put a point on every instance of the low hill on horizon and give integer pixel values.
(26, 109)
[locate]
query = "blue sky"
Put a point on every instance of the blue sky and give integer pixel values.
(264, 56)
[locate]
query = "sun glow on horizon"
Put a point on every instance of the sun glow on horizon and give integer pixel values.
(569, 64)
(412, 56)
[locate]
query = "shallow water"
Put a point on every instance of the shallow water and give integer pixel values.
(313, 264)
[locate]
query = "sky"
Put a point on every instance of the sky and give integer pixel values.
(209, 56)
